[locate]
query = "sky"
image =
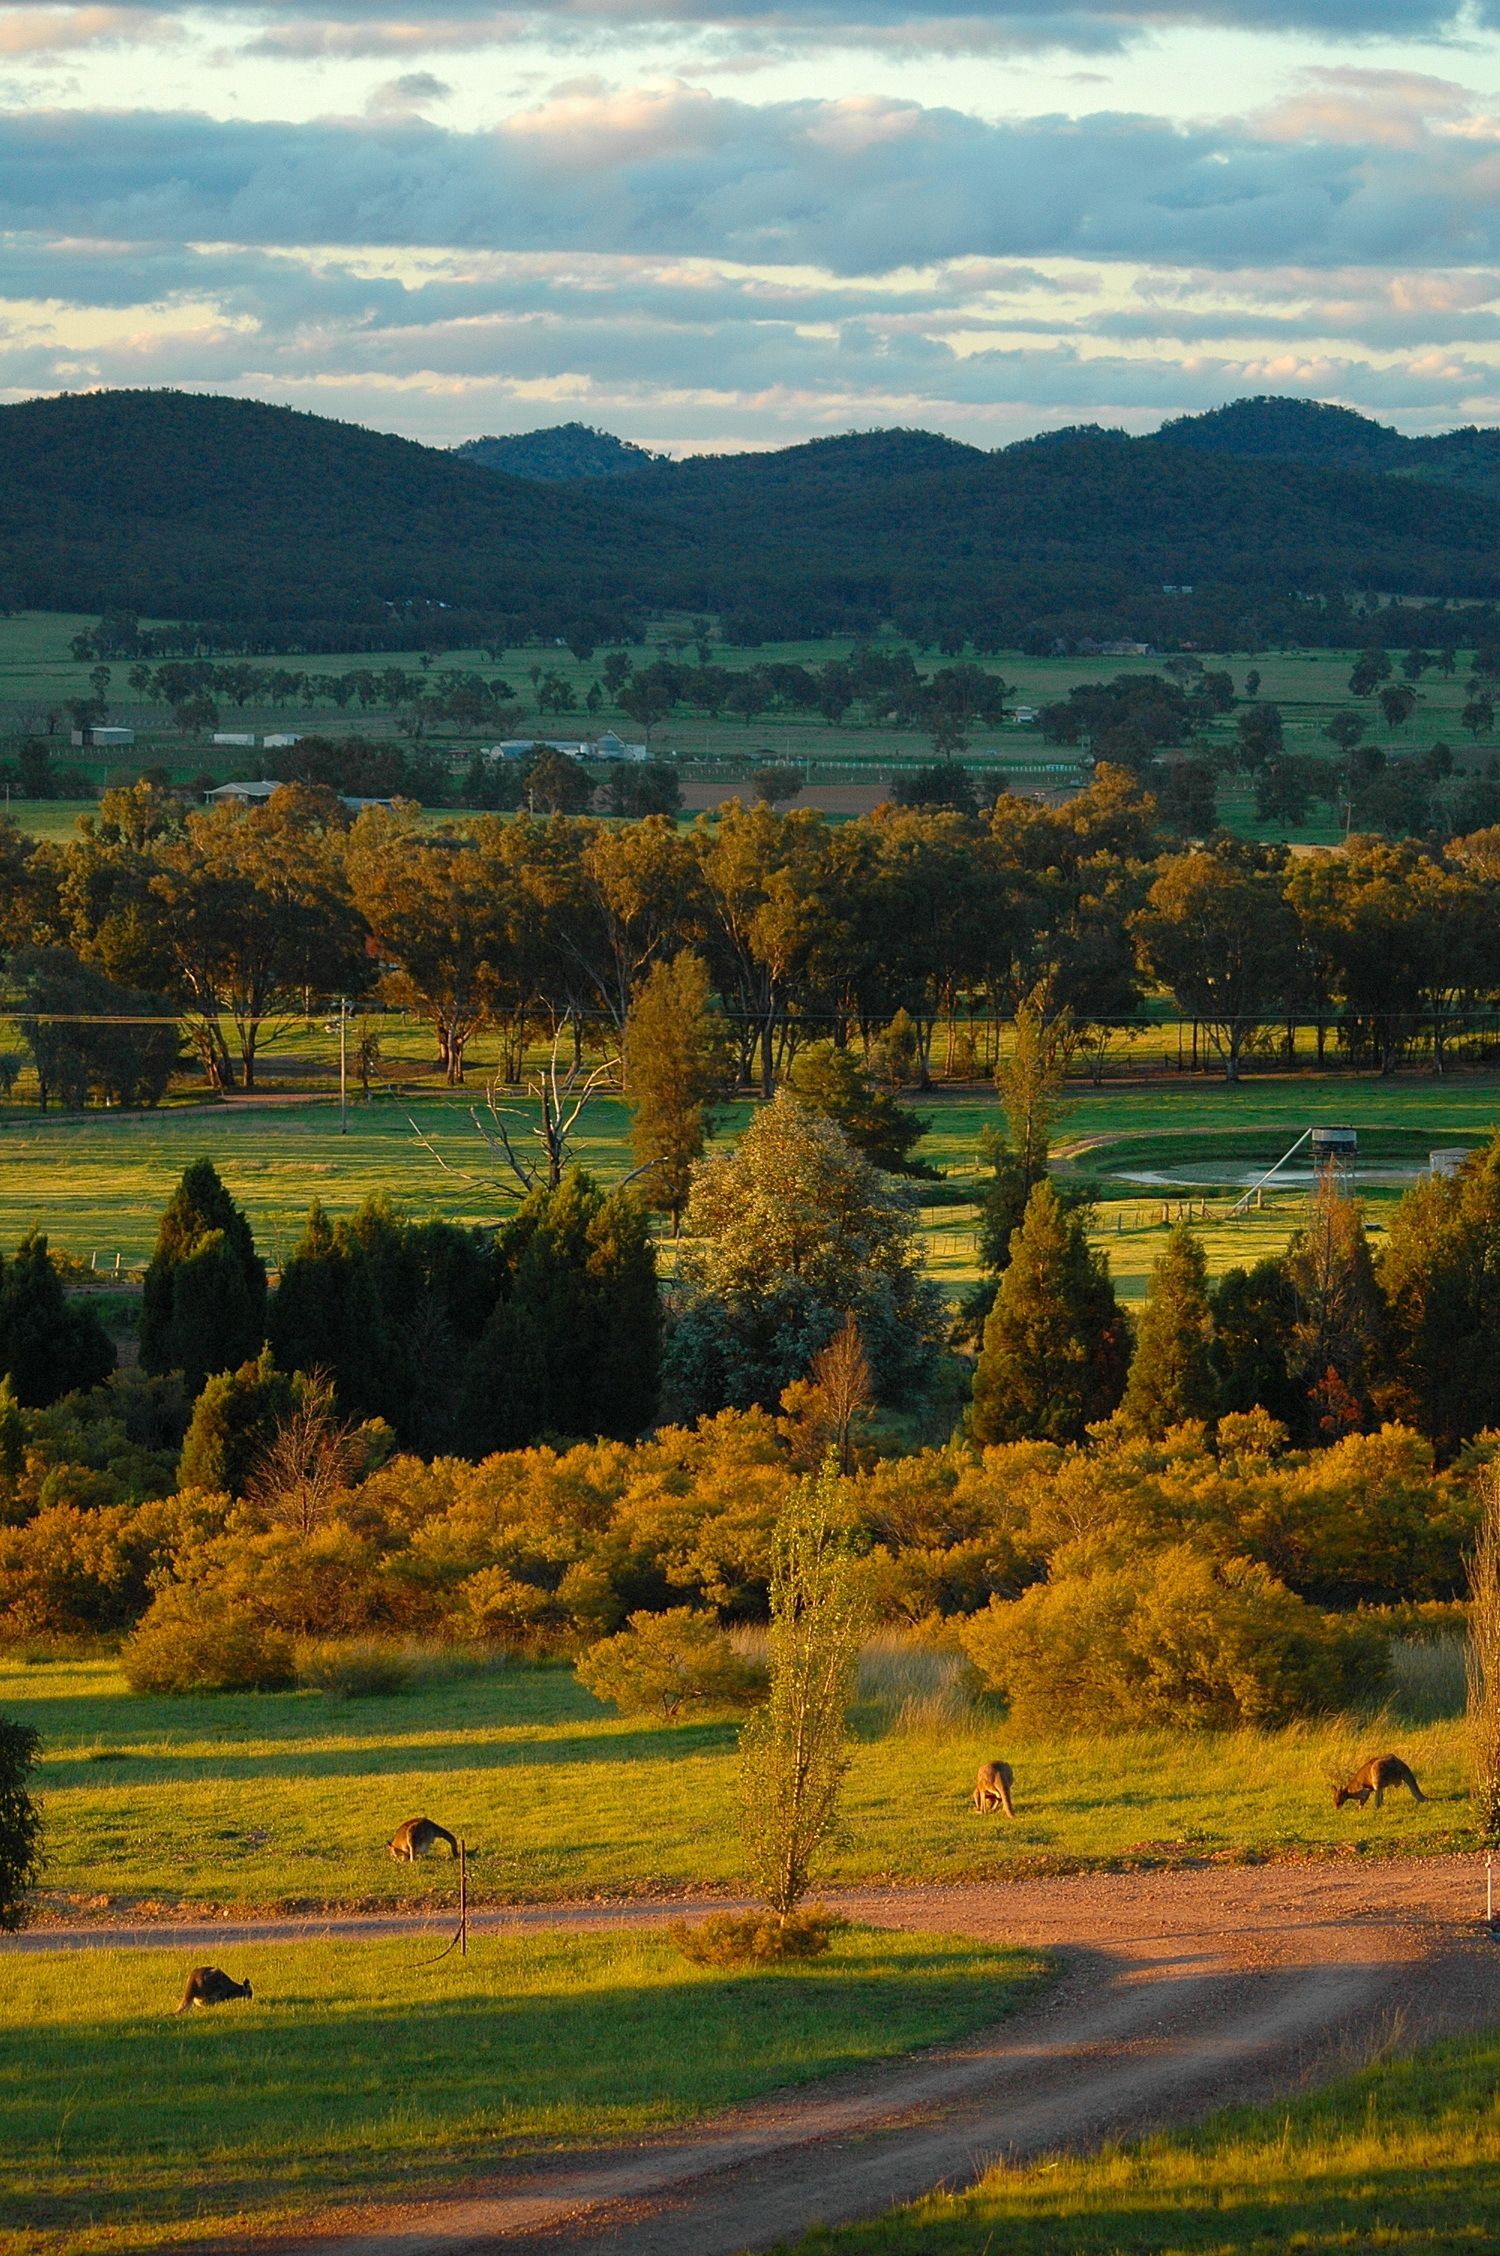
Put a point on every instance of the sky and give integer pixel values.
(715, 227)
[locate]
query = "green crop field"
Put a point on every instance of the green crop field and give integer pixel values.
(278, 1799)
(1403, 2158)
(357, 2072)
(37, 672)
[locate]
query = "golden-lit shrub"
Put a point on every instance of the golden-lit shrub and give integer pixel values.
(1166, 1636)
(660, 1664)
(196, 1641)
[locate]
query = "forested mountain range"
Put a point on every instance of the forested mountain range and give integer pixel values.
(566, 450)
(1308, 431)
(189, 506)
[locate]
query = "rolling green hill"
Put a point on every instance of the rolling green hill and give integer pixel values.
(1308, 431)
(189, 506)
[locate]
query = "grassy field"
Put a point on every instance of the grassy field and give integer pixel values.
(281, 1799)
(357, 2072)
(96, 1182)
(37, 673)
(1404, 2158)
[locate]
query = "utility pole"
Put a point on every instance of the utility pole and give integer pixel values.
(343, 1024)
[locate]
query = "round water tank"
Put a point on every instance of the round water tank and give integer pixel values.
(1449, 1161)
(1335, 1143)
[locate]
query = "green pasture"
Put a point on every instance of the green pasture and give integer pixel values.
(356, 2073)
(288, 1799)
(97, 1181)
(37, 672)
(1403, 2158)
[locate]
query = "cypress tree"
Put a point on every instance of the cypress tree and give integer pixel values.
(1053, 1358)
(572, 1347)
(47, 1346)
(829, 1080)
(1171, 1371)
(20, 1820)
(235, 1420)
(204, 1305)
(1253, 1312)
(326, 1316)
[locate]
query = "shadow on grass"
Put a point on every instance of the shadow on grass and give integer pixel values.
(376, 1757)
(150, 2116)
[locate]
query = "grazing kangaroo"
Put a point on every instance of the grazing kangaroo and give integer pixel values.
(1374, 1777)
(419, 1837)
(992, 1788)
(209, 1985)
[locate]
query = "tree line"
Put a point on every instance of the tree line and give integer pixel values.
(233, 922)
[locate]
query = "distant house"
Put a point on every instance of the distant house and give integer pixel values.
(278, 743)
(1022, 715)
(256, 795)
(95, 732)
(240, 794)
(605, 747)
(228, 737)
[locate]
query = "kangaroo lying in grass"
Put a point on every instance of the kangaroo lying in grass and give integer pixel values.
(1374, 1777)
(209, 1985)
(992, 1788)
(418, 1837)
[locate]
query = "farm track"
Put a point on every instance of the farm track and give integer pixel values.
(1177, 1993)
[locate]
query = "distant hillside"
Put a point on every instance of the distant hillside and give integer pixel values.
(566, 450)
(187, 506)
(191, 506)
(1269, 429)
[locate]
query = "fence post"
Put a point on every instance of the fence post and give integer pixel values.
(463, 1899)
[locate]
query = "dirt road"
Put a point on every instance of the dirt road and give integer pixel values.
(1179, 1991)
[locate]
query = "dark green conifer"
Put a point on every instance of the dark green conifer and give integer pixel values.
(234, 1422)
(1053, 1358)
(204, 1306)
(48, 1346)
(1171, 1371)
(573, 1346)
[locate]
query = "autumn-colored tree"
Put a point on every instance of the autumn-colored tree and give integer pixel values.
(443, 915)
(1054, 1351)
(257, 917)
(1171, 1369)
(1218, 931)
(1335, 1342)
(1440, 1274)
(679, 1065)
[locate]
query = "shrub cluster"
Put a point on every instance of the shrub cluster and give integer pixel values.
(738, 1938)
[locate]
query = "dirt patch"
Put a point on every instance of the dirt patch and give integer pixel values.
(1179, 1992)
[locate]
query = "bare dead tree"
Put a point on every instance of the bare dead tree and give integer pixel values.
(841, 1374)
(312, 1456)
(560, 1095)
